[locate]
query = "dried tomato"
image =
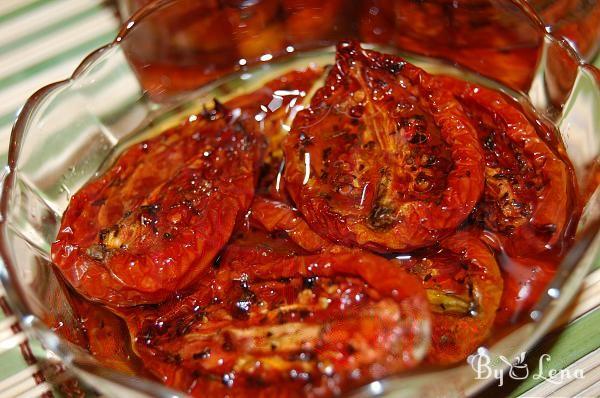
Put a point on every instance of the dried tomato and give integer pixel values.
(385, 157)
(165, 241)
(276, 322)
(528, 195)
(276, 216)
(464, 286)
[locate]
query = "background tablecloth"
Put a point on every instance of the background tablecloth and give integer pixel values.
(42, 41)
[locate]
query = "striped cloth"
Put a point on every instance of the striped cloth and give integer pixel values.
(43, 41)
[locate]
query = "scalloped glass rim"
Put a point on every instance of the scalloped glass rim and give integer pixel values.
(458, 380)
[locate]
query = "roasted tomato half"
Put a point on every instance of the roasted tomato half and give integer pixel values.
(384, 158)
(153, 223)
(528, 195)
(275, 321)
(464, 286)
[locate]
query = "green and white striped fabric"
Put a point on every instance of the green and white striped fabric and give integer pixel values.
(43, 41)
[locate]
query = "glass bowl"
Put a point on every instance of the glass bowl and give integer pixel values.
(162, 65)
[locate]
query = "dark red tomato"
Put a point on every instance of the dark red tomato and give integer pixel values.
(153, 222)
(464, 286)
(528, 196)
(106, 336)
(276, 322)
(166, 241)
(274, 216)
(384, 158)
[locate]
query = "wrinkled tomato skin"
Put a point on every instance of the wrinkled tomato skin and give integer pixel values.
(462, 267)
(146, 255)
(384, 158)
(153, 222)
(529, 192)
(277, 321)
(529, 206)
(272, 215)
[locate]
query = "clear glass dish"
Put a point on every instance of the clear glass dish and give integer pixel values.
(158, 69)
